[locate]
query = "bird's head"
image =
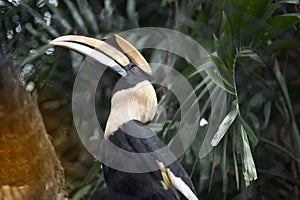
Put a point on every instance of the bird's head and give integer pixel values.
(134, 97)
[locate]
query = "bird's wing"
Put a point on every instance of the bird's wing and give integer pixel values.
(154, 147)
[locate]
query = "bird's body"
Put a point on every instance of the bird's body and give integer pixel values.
(137, 165)
(124, 185)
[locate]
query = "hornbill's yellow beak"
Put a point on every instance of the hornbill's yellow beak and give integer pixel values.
(104, 52)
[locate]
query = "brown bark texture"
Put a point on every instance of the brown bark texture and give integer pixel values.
(29, 167)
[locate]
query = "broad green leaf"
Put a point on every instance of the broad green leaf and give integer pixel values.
(244, 16)
(281, 172)
(254, 119)
(205, 170)
(206, 85)
(254, 140)
(215, 162)
(217, 44)
(283, 44)
(224, 126)
(253, 8)
(249, 169)
(289, 1)
(217, 79)
(100, 183)
(270, 9)
(93, 171)
(280, 23)
(225, 42)
(247, 18)
(279, 147)
(294, 128)
(216, 117)
(267, 112)
(82, 192)
(255, 101)
(224, 72)
(249, 53)
(236, 170)
(225, 27)
(224, 166)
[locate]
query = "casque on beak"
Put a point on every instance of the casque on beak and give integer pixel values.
(105, 53)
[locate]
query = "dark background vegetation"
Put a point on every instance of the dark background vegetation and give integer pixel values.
(255, 45)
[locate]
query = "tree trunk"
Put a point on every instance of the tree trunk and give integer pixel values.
(29, 167)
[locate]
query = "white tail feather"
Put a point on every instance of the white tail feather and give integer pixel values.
(180, 185)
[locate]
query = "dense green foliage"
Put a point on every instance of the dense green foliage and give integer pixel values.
(255, 46)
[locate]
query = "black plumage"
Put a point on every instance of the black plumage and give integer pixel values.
(131, 186)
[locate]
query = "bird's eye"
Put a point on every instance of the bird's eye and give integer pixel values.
(130, 66)
(134, 68)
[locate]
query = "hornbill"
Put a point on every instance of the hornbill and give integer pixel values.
(133, 105)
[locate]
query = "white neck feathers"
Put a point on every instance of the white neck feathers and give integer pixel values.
(136, 103)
